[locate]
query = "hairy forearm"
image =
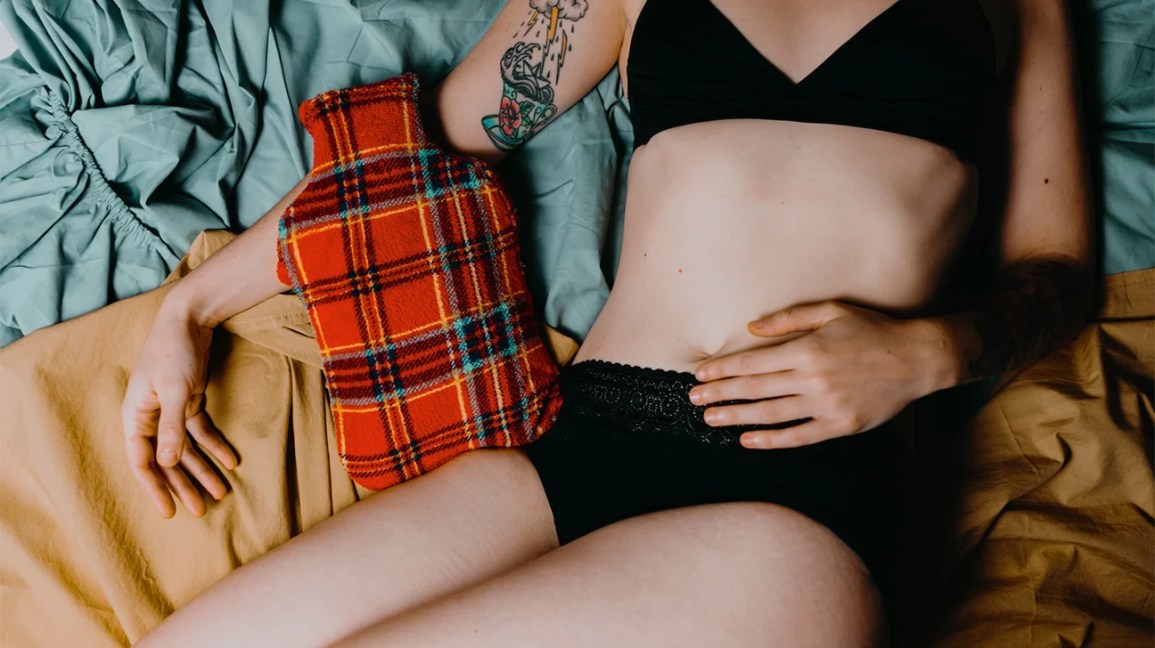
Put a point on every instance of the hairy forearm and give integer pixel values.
(239, 276)
(1036, 306)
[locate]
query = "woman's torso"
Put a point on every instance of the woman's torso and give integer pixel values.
(728, 220)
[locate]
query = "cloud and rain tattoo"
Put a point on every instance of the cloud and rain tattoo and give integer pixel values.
(530, 71)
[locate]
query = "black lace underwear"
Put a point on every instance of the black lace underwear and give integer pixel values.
(652, 403)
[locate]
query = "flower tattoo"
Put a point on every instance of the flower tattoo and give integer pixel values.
(509, 116)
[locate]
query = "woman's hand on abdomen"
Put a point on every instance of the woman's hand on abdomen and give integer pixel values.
(850, 370)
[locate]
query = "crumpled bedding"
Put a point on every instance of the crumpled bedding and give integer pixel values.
(1048, 494)
(1117, 56)
(127, 127)
(85, 559)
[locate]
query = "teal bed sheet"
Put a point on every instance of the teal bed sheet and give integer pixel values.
(128, 126)
(1118, 68)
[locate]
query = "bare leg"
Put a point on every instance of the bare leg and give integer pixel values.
(475, 517)
(738, 574)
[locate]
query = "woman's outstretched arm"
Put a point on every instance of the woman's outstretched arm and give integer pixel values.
(211, 293)
(505, 90)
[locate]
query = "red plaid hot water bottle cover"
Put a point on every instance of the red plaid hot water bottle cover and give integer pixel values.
(407, 258)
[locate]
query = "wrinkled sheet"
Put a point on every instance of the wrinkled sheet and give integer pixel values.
(129, 126)
(86, 558)
(1118, 72)
(1050, 495)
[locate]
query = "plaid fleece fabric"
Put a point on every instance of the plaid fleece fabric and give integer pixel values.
(407, 258)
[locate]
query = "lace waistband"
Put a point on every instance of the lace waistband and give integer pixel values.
(653, 403)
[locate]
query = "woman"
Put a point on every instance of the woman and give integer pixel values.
(804, 174)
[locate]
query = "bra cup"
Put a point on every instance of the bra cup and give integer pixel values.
(920, 68)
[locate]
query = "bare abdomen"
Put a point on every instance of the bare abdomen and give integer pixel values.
(728, 221)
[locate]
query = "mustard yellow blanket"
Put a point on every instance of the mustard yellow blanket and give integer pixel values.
(85, 560)
(1051, 541)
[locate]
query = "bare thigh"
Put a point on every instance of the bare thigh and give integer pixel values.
(737, 574)
(471, 519)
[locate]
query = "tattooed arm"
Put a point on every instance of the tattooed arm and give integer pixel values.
(1043, 293)
(537, 59)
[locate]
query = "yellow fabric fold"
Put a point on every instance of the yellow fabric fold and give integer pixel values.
(85, 559)
(1053, 542)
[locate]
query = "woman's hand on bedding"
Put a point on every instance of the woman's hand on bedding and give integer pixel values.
(164, 403)
(839, 369)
